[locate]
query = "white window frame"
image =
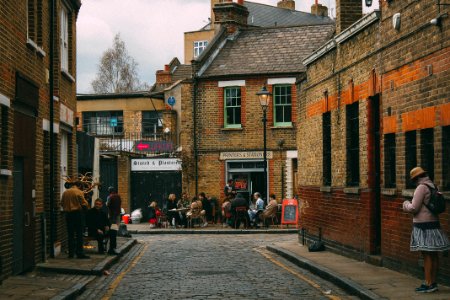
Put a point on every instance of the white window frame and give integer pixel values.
(64, 38)
(199, 46)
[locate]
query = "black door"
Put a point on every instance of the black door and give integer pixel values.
(24, 181)
(153, 186)
(108, 175)
(375, 105)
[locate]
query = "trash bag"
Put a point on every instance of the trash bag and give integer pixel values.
(316, 246)
(123, 231)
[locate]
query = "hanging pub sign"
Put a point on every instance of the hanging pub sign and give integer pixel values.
(153, 146)
(289, 212)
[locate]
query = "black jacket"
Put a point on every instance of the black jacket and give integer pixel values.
(96, 219)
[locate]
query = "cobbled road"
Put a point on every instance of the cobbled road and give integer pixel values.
(211, 267)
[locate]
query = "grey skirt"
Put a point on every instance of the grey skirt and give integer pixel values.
(429, 237)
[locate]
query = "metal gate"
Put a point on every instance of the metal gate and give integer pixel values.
(153, 186)
(108, 175)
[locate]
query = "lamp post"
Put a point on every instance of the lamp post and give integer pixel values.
(264, 99)
(368, 3)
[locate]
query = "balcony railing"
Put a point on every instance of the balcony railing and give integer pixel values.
(148, 142)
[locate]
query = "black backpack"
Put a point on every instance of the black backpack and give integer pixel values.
(437, 201)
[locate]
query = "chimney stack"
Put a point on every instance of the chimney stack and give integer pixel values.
(231, 15)
(347, 13)
(288, 4)
(319, 9)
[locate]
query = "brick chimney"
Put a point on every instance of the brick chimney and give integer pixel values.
(319, 9)
(163, 76)
(231, 15)
(288, 4)
(347, 13)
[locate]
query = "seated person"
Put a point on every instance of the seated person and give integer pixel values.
(256, 209)
(271, 209)
(239, 201)
(226, 210)
(99, 226)
(197, 211)
(172, 216)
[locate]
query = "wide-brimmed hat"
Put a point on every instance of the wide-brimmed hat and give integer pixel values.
(417, 171)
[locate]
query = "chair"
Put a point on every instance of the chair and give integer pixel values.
(195, 213)
(241, 215)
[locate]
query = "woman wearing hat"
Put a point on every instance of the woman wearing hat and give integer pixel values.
(426, 235)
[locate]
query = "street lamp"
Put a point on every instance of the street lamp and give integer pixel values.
(264, 99)
(368, 3)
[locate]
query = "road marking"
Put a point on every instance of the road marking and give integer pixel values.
(297, 274)
(113, 286)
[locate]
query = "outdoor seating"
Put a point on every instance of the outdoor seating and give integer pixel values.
(241, 215)
(196, 213)
(87, 239)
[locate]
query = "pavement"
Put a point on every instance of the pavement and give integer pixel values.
(64, 278)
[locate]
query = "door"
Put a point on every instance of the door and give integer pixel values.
(375, 108)
(153, 186)
(18, 218)
(24, 193)
(108, 175)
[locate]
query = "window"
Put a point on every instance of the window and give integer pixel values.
(31, 20)
(151, 124)
(427, 151)
(64, 39)
(4, 142)
(199, 46)
(34, 22)
(326, 154)
(389, 161)
(103, 122)
(410, 156)
(232, 107)
(352, 114)
(282, 105)
(445, 157)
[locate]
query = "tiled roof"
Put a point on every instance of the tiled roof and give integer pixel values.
(269, 50)
(262, 15)
(182, 72)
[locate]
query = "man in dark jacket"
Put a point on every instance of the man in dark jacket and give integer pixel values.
(99, 227)
(114, 203)
(239, 201)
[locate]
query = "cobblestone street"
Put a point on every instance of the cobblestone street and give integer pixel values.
(210, 267)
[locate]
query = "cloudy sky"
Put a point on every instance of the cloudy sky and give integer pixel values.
(151, 29)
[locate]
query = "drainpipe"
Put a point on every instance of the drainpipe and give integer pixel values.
(52, 141)
(194, 109)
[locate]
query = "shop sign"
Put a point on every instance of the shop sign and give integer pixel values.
(156, 164)
(65, 115)
(245, 155)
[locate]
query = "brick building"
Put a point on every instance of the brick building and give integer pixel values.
(133, 129)
(374, 104)
(37, 104)
(259, 15)
(222, 134)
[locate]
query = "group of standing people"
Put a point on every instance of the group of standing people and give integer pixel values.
(97, 220)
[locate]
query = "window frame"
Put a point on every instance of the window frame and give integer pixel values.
(199, 47)
(445, 162)
(287, 95)
(105, 119)
(353, 144)
(410, 156)
(427, 151)
(225, 110)
(326, 149)
(390, 160)
(156, 126)
(64, 41)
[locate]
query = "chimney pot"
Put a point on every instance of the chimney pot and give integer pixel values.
(288, 4)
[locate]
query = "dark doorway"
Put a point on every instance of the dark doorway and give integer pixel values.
(24, 184)
(153, 186)
(108, 175)
(375, 137)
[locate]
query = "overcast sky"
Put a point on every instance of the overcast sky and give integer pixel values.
(151, 29)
